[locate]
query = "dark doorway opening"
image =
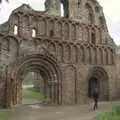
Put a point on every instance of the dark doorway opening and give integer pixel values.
(92, 84)
(98, 78)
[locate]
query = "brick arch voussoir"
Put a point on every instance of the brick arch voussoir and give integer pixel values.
(30, 60)
(33, 68)
(33, 64)
(97, 72)
(36, 68)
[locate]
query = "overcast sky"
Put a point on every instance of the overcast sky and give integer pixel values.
(111, 10)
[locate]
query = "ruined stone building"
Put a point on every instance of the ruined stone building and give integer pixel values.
(73, 53)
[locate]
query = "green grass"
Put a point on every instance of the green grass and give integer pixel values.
(114, 115)
(32, 93)
(5, 115)
(107, 116)
(116, 110)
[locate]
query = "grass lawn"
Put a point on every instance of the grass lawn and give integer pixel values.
(31, 93)
(114, 115)
(108, 116)
(5, 115)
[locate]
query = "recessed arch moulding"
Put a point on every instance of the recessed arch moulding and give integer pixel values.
(99, 78)
(66, 50)
(34, 62)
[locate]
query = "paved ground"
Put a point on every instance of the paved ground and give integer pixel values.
(27, 86)
(76, 112)
(29, 101)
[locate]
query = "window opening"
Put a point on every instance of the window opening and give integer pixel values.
(62, 10)
(33, 33)
(15, 30)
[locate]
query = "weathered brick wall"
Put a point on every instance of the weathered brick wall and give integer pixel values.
(77, 47)
(118, 76)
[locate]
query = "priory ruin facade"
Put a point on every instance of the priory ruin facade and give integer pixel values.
(73, 53)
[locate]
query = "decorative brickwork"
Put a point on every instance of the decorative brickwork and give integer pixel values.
(69, 52)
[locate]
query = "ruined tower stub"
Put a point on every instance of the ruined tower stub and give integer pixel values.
(84, 11)
(52, 7)
(88, 12)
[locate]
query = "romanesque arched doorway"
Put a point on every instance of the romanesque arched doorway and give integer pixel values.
(98, 78)
(93, 83)
(44, 64)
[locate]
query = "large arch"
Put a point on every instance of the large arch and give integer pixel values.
(98, 77)
(44, 63)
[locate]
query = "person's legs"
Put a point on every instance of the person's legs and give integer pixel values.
(95, 104)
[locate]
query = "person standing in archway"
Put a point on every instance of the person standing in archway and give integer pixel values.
(95, 97)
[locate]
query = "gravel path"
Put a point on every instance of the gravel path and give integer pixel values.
(76, 112)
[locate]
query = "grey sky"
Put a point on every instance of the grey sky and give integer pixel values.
(111, 9)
